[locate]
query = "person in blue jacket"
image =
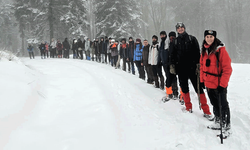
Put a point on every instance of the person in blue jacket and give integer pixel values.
(138, 58)
(31, 51)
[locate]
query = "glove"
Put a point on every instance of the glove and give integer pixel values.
(172, 69)
(220, 89)
(202, 85)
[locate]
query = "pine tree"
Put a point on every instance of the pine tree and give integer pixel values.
(51, 18)
(117, 18)
(7, 24)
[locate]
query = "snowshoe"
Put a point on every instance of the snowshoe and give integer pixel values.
(186, 111)
(181, 100)
(215, 125)
(175, 97)
(225, 134)
(166, 99)
(209, 117)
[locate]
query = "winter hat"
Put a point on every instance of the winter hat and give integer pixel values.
(138, 40)
(163, 33)
(130, 38)
(180, 24)
(154, 36)
(172, 33)
(112, 41)
(210, 32)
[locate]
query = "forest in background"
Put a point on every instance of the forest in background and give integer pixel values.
(23, 21)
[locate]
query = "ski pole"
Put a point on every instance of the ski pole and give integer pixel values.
(198, 84)
(221, 135)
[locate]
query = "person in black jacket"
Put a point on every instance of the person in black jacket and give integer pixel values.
(106, 45)
(74, 48)
(80, 48)
(102, 50)
(185, 62)
(130, 55)
(97, 51)
(66, 48)
(148, 67)
(123, 53)
(42, 50)
(165, 57)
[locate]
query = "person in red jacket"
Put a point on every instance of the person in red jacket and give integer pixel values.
(215, 72)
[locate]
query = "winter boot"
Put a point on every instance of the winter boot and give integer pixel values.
(169, 93)
(187, 100)
(156, 82)
(215, 125)
(181, 99)
(162, 83)
(209, 117)
(205, 107)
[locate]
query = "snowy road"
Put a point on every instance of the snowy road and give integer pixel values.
(75, 105)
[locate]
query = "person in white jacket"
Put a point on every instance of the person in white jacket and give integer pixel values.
(53, 48)
(153, 60)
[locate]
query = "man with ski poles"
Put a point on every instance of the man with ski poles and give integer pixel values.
(185, 57)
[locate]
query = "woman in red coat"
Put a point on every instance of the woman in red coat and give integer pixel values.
(215, 72)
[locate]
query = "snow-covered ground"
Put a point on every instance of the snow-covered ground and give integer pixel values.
(58, 104)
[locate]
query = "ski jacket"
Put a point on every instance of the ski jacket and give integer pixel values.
(96, 46)
(30, 49)
(80, 45)
(46, 47)
(145, 55)
(66, 45)
(74, 45)
(53, 44)
(164, 54)
(114, 49)
(212, 76)
(130, 52)
(123, 50)
(153, 54)
(186, 53)
(59, 46)
(103, 47)
(138, 52)
(42, 47)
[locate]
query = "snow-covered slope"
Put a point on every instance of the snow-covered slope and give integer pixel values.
(58, 104)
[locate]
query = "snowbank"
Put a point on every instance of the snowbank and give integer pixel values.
(8, 56)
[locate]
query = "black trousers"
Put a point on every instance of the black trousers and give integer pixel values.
(74, 54)
(124, 64)
(106, 55)
(31, 54)
(53, 53)
(114, 60)
(140, 69)
(183, 79)
(214, 99)
(171, 79)
(157, 70)
(149, 71)
(42, 54)
(80, 54)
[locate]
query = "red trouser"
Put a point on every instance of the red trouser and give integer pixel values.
(204, 105)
